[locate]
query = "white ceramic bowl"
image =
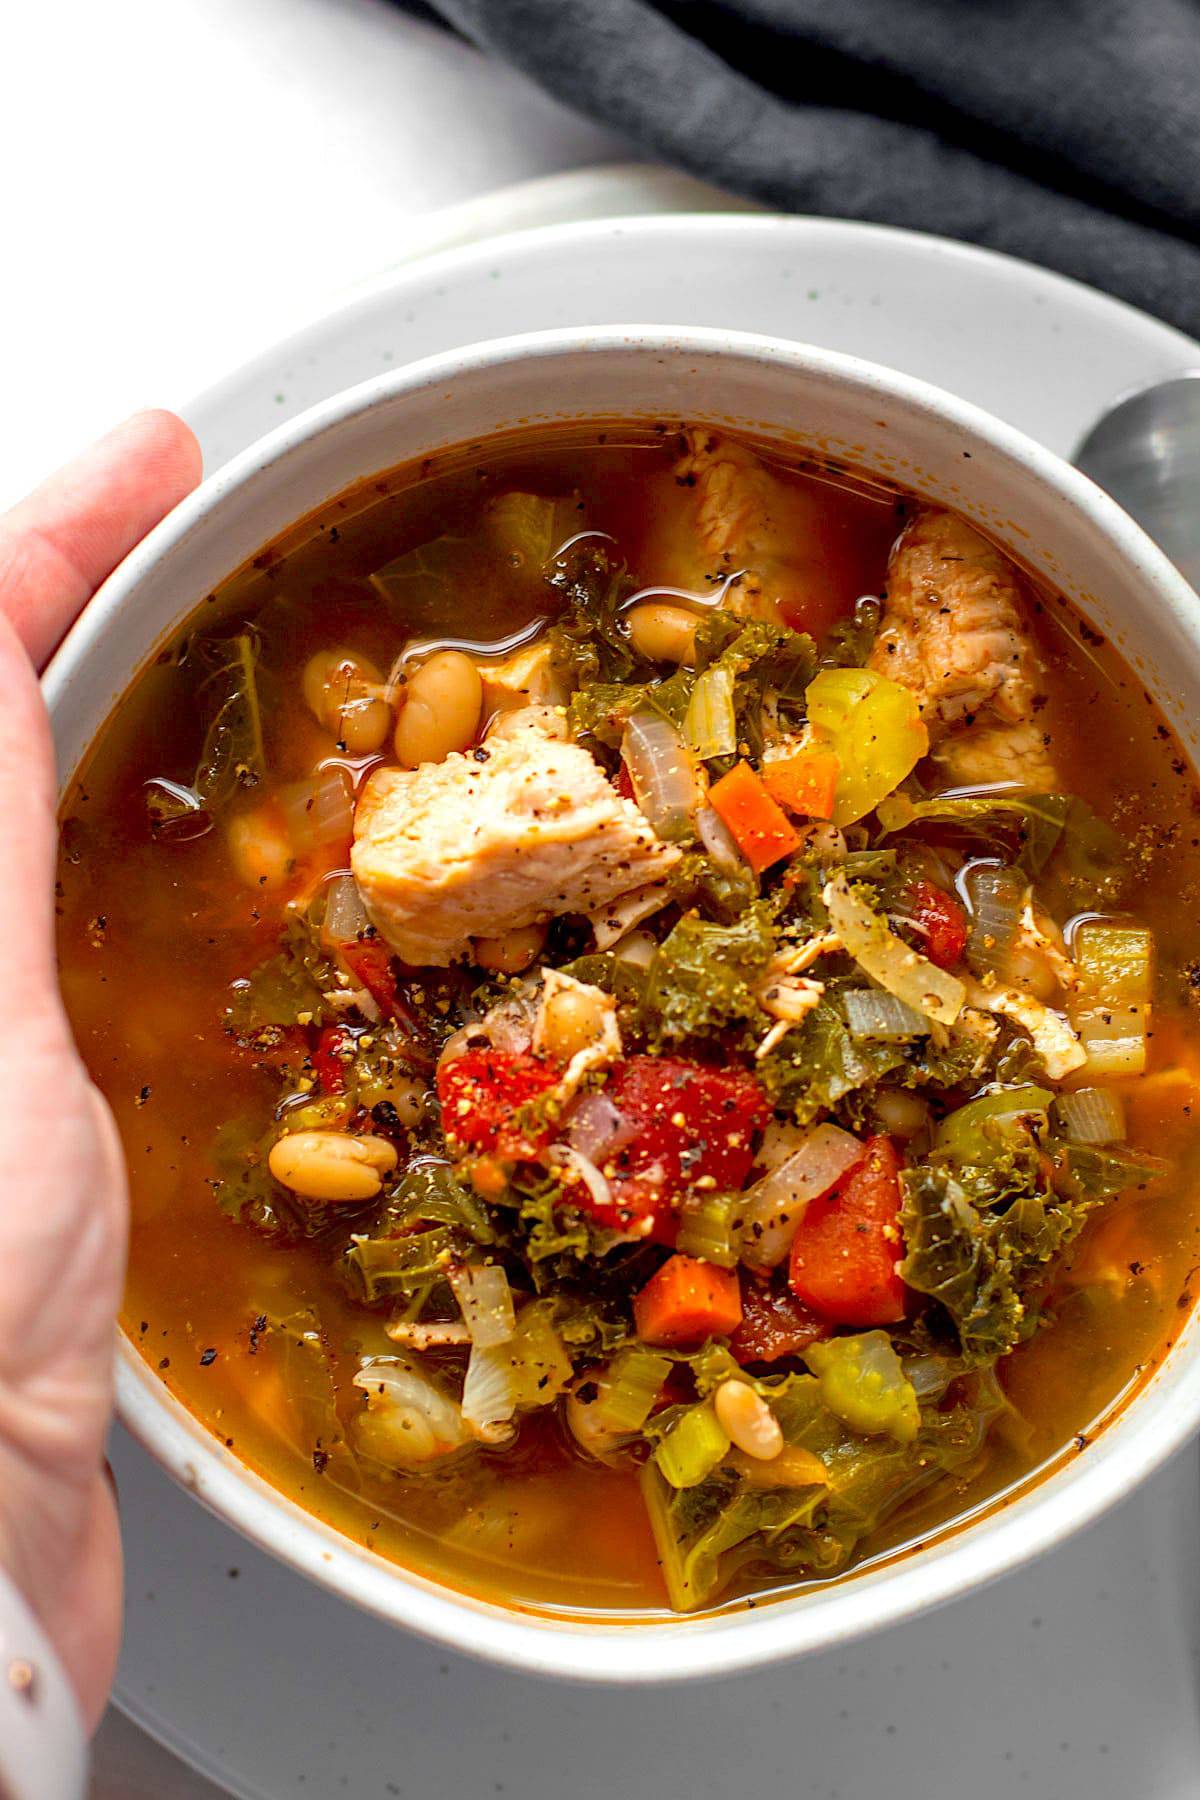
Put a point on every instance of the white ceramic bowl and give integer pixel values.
(1054, 519)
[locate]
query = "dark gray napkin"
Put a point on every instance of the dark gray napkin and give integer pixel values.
(1061, 130)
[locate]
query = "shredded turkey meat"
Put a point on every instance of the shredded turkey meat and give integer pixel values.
(496, 839)
(954, 632)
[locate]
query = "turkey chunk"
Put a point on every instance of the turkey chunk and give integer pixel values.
(954, 632)
(470, 848)
(796, 564)
(741, 519)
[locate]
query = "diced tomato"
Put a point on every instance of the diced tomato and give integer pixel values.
(370, 963)
(774, 1323)
(687, 1301)
(481, 1091)
(844, 1254)
(689, 1123)
(760, 827)
(374, 967)
(334, 1048)
(623, 782)
(805, 782)
(940, 919)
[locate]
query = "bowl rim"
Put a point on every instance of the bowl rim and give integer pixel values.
(1137, 1435)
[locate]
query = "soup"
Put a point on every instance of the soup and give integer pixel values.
(645, 982)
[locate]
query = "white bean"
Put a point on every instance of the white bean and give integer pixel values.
(509, 954)
(260, 848)
(337, 688)
(663, 633)
(408, 1094)
(440, 706)
(900, 1113)
(748, 1421)
(572, 1019)
(330, 1165)
(551, 721)
(1029, 968)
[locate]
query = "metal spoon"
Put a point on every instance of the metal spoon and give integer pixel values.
(1145, 451)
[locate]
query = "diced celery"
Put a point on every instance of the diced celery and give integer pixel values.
(833, 694)
(693, 1447)
(629, 1387)
(1092, 1116)
(541, 1367)
(710, 723)
(1113, 1039)
(863, 1383)
(1111, 1004)
(709, 1227)
(1114, 962)
(969, 1134)
(875, 727)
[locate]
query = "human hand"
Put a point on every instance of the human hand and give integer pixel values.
(63, 1213)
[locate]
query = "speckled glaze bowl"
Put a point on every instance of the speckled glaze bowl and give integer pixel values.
(1050, 516)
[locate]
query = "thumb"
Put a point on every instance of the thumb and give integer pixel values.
(60, 543)
(28, 824)
(55, 549)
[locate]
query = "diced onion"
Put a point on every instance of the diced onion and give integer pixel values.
(621, 915)
(1092, 1116)
(485, 1301)
(345, 915)
(996, 896)
(718, 840)
(662, 773)
(888, 960)
(411, 1420)
(774, 1206)
(489, 1397)
(596, 1129)
(637, 949)
(710, 724)
(564, 1156)
(320, 811)
(871, 1013)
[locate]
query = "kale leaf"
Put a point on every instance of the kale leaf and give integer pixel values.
(591, 632)
(1054, 837)
(734, 1521)
(703, 975)
(289, 987)
(232, 756)
(818, 1063)
(771, 668)
(982, 1263)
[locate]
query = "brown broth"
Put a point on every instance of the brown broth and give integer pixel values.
(151, 935)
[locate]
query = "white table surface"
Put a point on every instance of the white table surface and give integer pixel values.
(187, 179)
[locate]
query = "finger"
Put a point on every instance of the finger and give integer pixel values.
(27, 836)
(60, 543)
